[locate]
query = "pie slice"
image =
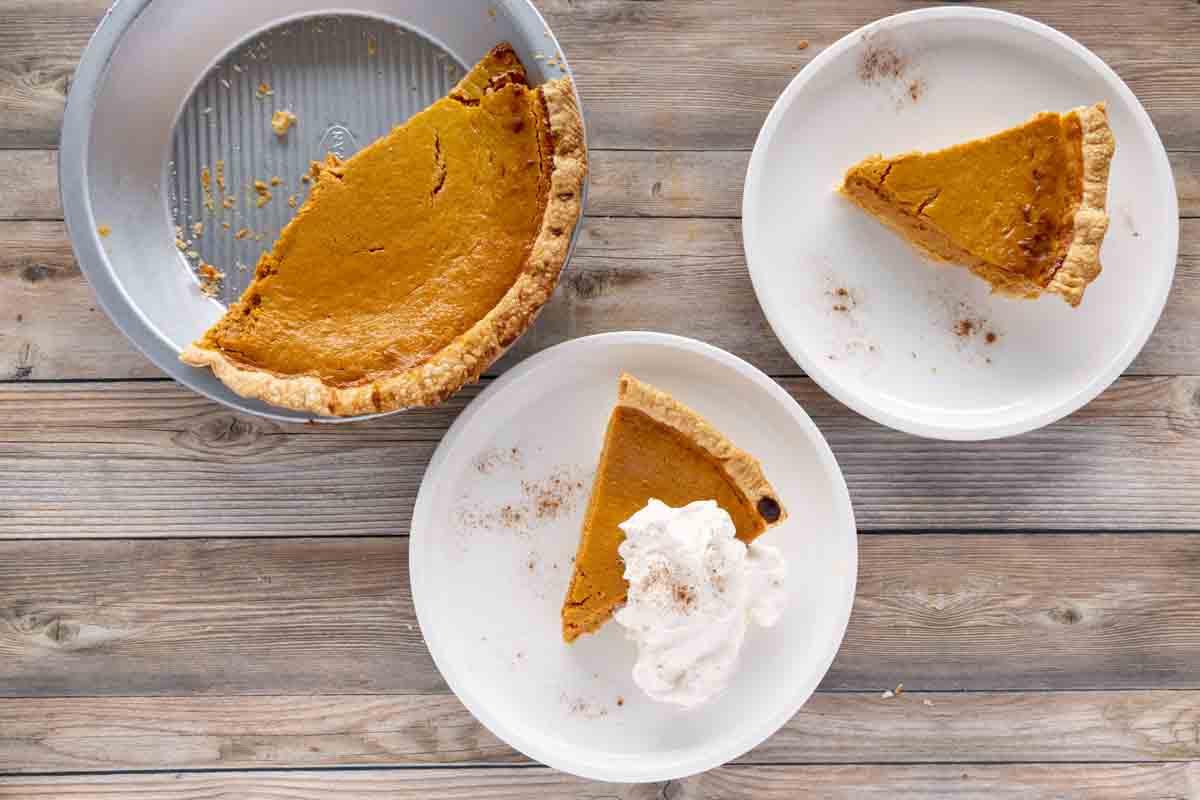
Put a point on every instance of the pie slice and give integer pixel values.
(413, 265)
(1023, 209)
(656, 447)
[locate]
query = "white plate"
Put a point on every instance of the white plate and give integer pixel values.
(493, 537)
(893, 354)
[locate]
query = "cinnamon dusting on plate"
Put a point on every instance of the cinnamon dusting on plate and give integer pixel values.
(541, 501)
(880, 61)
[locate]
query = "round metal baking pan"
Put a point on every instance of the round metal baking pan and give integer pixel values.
(168, 129)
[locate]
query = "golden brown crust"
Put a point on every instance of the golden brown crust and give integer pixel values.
(1081, 240)
(464, 359)
(743, 469)
(1081, 264)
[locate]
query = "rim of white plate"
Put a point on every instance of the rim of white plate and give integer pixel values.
(606, 768)
(866, 405)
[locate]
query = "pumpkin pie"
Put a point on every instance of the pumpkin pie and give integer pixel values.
(656, 447)
(414, 264)
(1023, 209)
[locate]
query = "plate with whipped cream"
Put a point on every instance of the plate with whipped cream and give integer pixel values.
(633, 557)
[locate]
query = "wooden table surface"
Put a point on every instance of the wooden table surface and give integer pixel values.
(197, 604)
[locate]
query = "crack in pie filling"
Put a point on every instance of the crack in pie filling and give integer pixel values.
(414, 264)
(1024, 209)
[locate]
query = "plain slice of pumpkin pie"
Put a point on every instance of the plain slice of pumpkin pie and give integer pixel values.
(656, 447)
(415, 263)
(1023, 209)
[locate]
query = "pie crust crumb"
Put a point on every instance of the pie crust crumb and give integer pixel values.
(281, 121)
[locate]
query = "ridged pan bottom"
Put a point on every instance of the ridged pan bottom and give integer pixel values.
(347, 80)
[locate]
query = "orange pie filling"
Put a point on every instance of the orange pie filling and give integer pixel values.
(1006, 206)
(413, 265)
(644, 458)
(470, 186)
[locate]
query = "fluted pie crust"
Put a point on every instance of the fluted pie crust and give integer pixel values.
(325, 329)
(656, 447)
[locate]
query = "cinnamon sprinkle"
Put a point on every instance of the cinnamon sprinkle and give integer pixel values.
(542, 501)
(878, 62)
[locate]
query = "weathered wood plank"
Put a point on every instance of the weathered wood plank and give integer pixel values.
(451, 784)
(40, 45)
(623, 183)
(1186, 167)
(685, 276)
(727, 60)
(98, 460)
(334, 616)
(183, 617)
(1023, 781)
(155, 460)
(29, 185)
(60, 734)
(49, 321)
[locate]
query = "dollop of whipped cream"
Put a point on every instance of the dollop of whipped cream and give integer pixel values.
(693, 589)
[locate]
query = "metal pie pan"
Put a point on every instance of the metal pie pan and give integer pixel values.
(165, 91)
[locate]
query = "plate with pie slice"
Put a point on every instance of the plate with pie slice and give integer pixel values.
(960, 222)
(314, 213)
(519, 554)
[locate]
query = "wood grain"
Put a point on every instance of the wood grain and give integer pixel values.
(622, 183)
(223, 648)
(154, 459)
(50, 323)
(1023, 781)
(40, 44)
(1018, 782)
(334, 616)
(184, 617)
(29, 185)
(727, 61)
(109, 733)
(685, 276)
(447, 784)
